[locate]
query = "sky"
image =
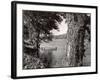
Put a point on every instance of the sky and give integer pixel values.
(62, 28)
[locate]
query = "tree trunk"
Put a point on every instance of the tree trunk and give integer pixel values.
(38, 43)
(75, 39)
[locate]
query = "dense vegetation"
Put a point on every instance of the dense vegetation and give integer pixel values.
(37, 26)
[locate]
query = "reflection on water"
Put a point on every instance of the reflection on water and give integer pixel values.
(56, 50)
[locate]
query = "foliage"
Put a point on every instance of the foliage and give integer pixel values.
(38, 26)
(30, 62)
(42, 23)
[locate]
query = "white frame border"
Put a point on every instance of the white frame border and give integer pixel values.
(36, 72)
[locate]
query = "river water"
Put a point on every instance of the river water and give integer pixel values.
(58, 48)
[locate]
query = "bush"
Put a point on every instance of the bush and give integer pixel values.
(31, 62)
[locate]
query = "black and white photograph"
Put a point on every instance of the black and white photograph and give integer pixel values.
(56, 39)
(53, 39)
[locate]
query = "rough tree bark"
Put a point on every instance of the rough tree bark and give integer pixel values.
(75, 38)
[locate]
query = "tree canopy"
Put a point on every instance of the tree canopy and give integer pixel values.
(41, 23)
